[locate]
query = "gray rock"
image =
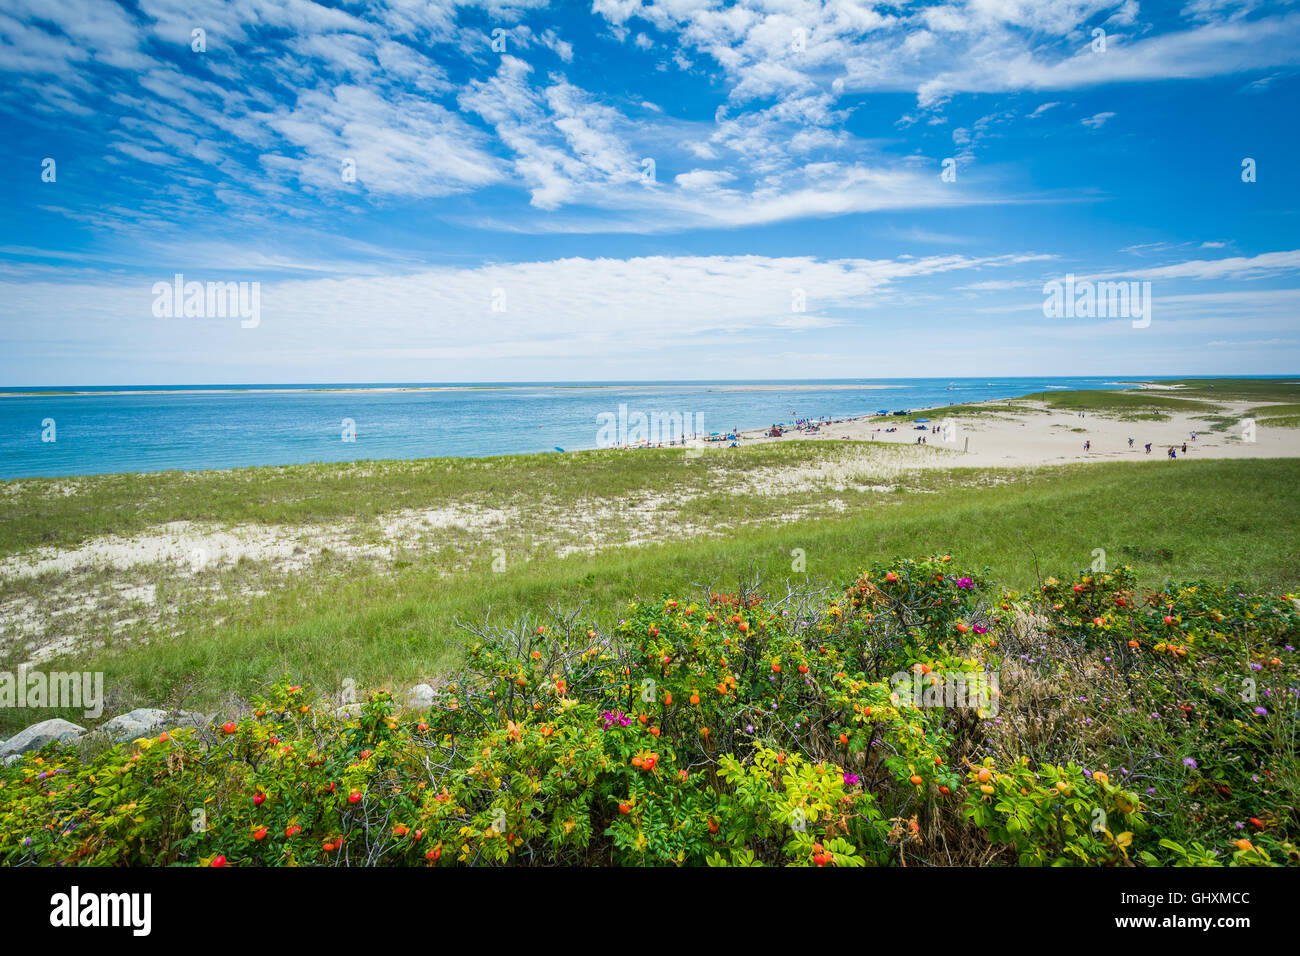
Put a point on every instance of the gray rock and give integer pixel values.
(420, 697)
(149, 722)
(38, 735)
(142, 722)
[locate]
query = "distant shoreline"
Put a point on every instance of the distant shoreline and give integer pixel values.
(144, 446)
(379, 389)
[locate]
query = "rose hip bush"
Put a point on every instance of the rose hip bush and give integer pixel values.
(1130, 728)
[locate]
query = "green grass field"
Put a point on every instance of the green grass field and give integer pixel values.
(1130, 404)
(395, 622)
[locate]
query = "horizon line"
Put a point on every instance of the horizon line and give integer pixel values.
(618, 382)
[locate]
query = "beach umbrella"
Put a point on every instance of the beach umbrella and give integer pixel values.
(921, 420)
(558, 448)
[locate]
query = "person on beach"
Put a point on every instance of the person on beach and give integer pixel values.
(1130, 443)
(1148, 448)
(1184, 448)
(1087, 446)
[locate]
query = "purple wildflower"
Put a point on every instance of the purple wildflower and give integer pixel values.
(616, 717)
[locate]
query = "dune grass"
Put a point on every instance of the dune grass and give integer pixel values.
(1285, 389)
(64, 512)
(982, 410)
(1133, 404)
(1283, 421)
(396, 624)
(1124, 404)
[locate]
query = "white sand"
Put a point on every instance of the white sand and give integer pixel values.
(1047, 437)
(188, 545)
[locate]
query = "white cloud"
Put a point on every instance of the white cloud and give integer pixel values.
(976, 46)
(582, 306)
(401, 145)
(703, 178)
(1264, 265)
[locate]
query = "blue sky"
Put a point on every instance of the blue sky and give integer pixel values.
(626, 190)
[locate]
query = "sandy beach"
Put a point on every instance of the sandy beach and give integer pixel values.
(1041, 435)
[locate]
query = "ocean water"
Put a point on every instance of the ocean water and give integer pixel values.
(194, 427)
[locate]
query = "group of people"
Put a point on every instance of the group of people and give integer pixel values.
(811, 426)
(1172, 453)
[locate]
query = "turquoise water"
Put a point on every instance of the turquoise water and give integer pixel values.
(178, 427)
